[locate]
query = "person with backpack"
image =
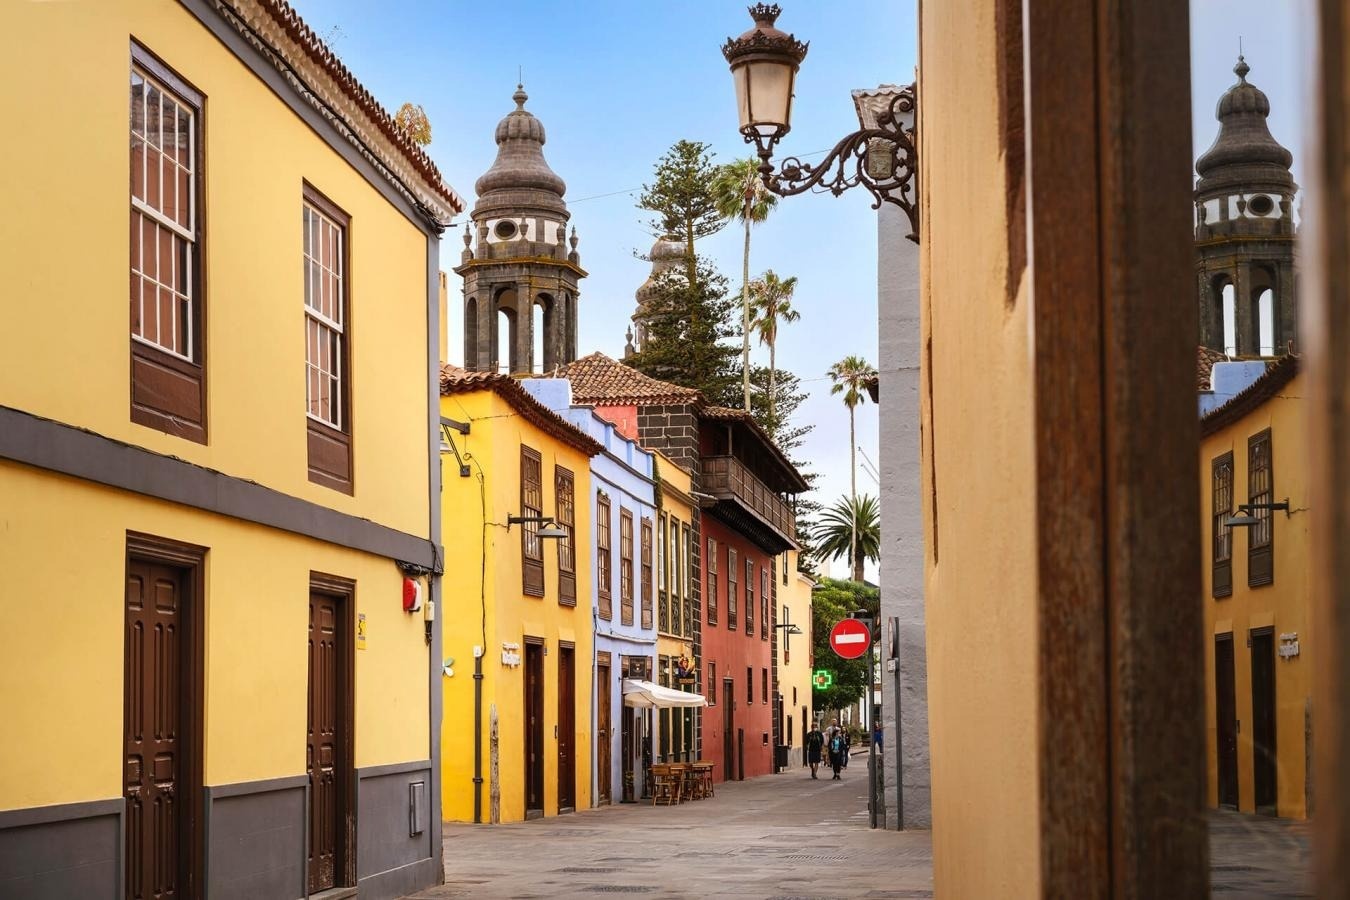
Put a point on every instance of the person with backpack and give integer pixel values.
(838, 747)
(815, 743)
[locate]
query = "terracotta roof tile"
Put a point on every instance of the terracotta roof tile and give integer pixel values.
(1278, 374)
(601, 381)
(455, 380)
(1205, 359)
(325, 58)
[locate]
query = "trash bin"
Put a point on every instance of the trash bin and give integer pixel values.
(780, 757)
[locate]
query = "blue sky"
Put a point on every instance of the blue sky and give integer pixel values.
(616, 83)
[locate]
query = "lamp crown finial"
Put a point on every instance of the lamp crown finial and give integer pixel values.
(765, 13)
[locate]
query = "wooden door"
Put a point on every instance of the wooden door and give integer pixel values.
(626, 744)
(1226, 710)
(603, 698)
(728, 729)
(567, 729)
(160, 665)
(534, 730)
(327, 757)
(1263, 720)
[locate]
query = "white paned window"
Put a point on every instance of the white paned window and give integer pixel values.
(325, 314)
(163, 216)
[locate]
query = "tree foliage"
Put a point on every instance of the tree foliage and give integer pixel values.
(681, 198)
(831, 601)
(839, 524)
(413, 119)
(687, 329)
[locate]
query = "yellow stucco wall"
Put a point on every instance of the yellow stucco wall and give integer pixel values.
(65, 230)
(1284, 604)
(63, 582)
(493, 446)
(794, 668)
(977, 430)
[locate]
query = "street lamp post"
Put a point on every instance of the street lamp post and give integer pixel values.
(884, 159)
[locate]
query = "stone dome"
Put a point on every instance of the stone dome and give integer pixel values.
(520, 179)
(1244, 153)
(666, 254)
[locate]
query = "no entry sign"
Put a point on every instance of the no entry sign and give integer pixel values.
(849, 638)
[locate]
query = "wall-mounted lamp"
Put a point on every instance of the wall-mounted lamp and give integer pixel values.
(551, 530)
(1245, 519)
(448, 442)
(884, 159)
(790, 626)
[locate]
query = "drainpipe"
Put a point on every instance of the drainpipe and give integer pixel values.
(435, 688)
(478, 736)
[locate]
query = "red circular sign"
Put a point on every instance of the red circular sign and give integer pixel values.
(849, 638)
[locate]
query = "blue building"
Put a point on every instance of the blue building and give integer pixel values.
(623, 558)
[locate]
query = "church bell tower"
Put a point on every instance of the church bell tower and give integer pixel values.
(518, 264)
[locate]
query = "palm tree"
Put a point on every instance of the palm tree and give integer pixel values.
(851, 375)
(850, 528)
(770, 302)
(739, 193)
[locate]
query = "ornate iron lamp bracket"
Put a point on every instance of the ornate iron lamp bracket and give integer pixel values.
(885, 160)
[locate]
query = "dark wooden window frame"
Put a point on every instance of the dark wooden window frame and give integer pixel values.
(711, 599)
(687, 578)
(345, 588)
(531, 546)
(733, 590)
(765, 583)
(1261, 537)
(663, 570)
(1221, 543)
(604, 569)
(764, 684)
(749, 684)
(749, 596)
(646, 568)
(169, 393)
(565, 502)
(712, 684)
(626, 570)
(191, 558)
(331, 452)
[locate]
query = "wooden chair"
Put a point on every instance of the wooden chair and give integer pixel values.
(705, 777)
(666, 785)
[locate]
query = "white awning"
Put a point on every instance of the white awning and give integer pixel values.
(646, 695)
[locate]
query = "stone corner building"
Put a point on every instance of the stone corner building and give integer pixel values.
(517, 257)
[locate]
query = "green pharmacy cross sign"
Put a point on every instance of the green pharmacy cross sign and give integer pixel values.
(822, 679)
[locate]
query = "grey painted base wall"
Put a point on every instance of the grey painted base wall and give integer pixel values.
(57, 852)
(256, 836)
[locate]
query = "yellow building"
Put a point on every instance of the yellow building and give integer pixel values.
(794, 656)
(676, 662)
(517, 742)
(1256, 594)
(211, 496)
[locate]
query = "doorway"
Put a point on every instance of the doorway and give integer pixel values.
(728, 730)
(162, 680)
(603, 780)
(626, 745)
(567, 729)
(1226, 711)
(534, 728)
(1264, 766)
(328, 743)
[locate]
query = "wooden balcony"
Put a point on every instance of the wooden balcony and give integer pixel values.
(748, 503)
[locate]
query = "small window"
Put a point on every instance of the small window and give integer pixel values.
(625, 566)
(662, 575)
(733, 587)
(505, 229)
(168, 371)
(763, 685)
(603, 571)
(712, 582)
(327, 399)
(531, 506)
(712, 684)
(687, 579)
(764, 585)
(1221, 507)
(1260, 490)
(787, 559)
(564, 486)
(646, 622)
(749, 684)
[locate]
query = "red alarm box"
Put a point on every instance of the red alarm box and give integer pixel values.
(412, 595)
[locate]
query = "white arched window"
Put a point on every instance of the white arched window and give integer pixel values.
(1265, 309)
(1229, 320)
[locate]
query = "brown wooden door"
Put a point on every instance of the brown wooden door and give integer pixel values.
(328, 739)
(728, 729)
(1263, 721)
(567, 729)
(626, 751)
(603, 697)
(534, 730)
(1226, 710)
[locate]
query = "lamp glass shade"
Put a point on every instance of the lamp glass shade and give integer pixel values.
(764, 94)
(551, 532)
(1241, 520)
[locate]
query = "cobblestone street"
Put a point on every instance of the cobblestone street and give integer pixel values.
(782, 836)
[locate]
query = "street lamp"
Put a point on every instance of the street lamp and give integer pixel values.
(551, 530)
(882, 157)
(1246, 519)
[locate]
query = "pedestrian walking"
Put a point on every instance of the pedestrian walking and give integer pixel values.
(815, 742)
(876, 734)
(838, 748)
